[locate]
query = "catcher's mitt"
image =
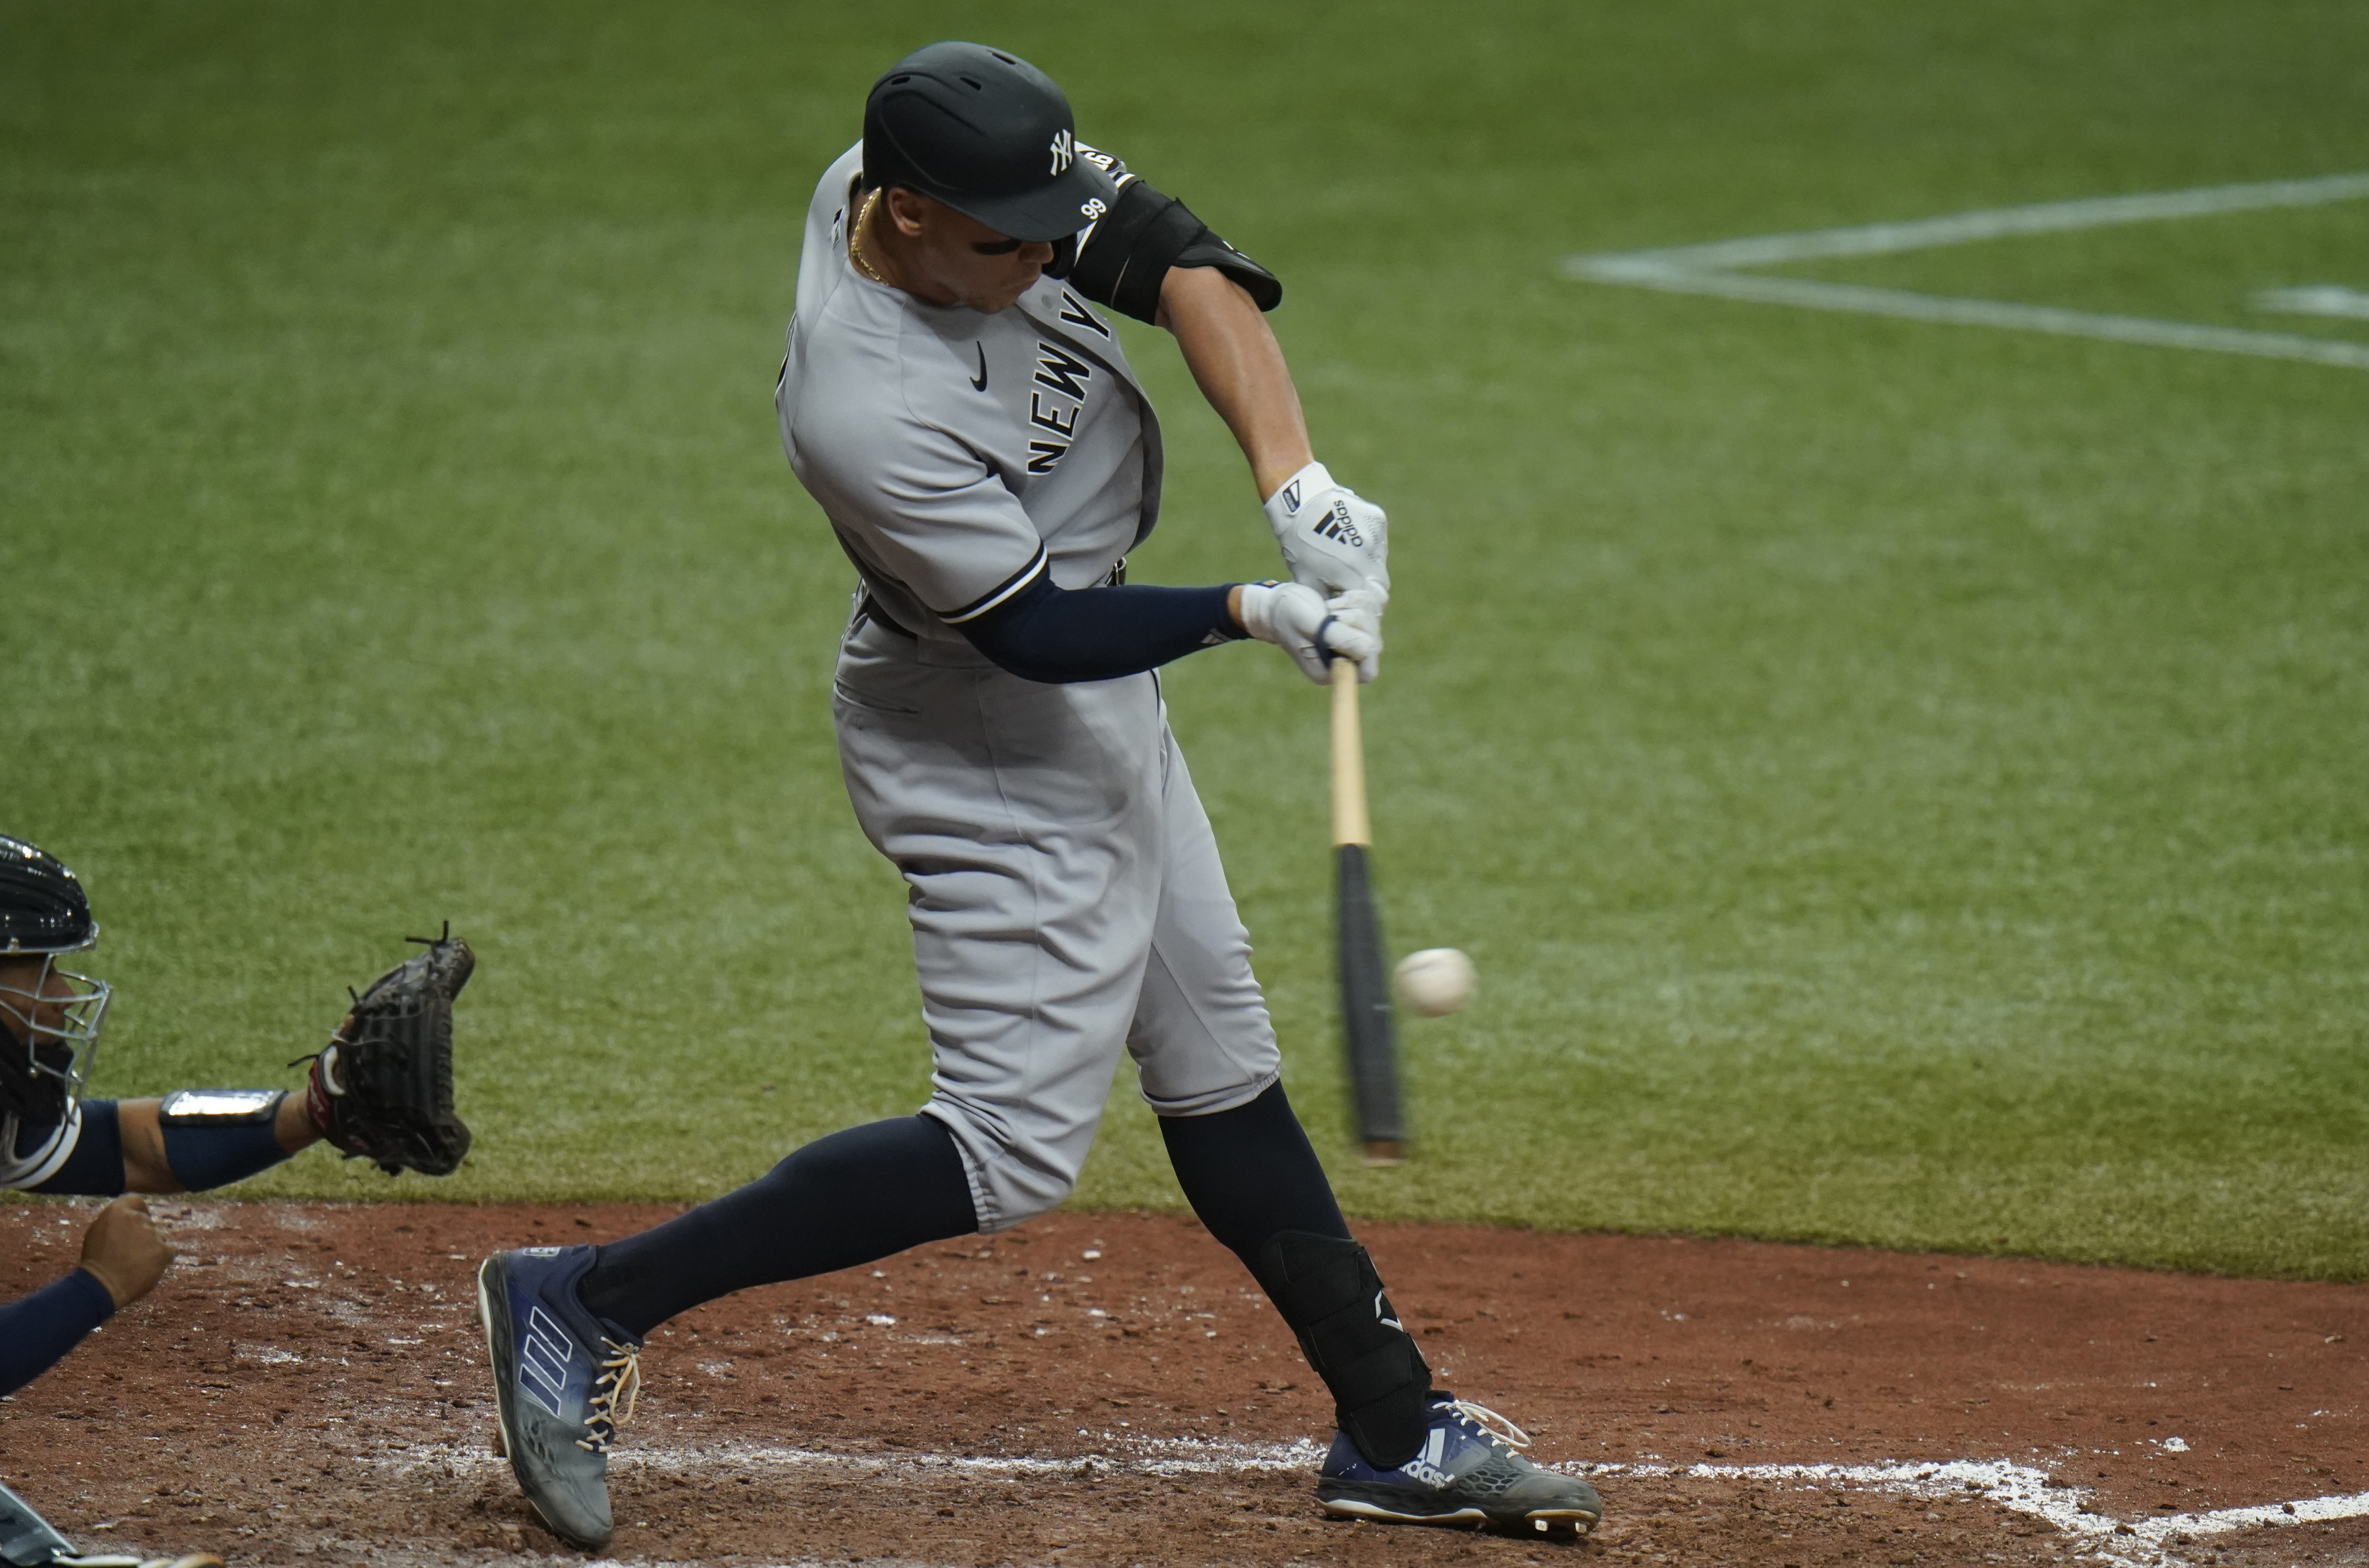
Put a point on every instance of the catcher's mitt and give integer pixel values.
(382, 1089)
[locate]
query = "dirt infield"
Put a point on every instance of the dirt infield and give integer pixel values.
(308, 1385)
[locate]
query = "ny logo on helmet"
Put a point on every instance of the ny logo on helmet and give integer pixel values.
(1065, 152)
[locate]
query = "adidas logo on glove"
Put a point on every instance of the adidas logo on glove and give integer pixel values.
(1338, 526)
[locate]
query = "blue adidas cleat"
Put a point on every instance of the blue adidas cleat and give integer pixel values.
(1466, 1474)
(559, 1374)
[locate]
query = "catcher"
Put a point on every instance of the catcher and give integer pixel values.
(381, 1090)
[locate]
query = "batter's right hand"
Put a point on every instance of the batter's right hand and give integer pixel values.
(1314, 631)
(123, 1251)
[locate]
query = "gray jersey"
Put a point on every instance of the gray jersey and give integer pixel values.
(960, 455)
(1067, 899)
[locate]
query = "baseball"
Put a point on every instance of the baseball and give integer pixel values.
(1433, 982)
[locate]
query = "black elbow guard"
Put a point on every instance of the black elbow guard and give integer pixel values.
(1123, 258)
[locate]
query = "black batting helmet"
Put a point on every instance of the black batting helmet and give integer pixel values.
(986, 133)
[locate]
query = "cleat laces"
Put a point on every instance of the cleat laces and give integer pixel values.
(1497, 1428)
(621, 1378)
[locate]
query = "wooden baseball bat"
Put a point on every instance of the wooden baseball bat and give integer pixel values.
(1366, 1031)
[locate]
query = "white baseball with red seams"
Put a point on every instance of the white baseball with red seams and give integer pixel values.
(1435, 983)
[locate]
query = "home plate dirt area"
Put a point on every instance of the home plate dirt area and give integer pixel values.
(308, 1384)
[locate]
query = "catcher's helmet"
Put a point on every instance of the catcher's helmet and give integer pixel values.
(50, 1018)
(986, 133)
(42, 907)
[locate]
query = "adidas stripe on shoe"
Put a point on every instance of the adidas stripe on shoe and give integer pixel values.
(559, 1374)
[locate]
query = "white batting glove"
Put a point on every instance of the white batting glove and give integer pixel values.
(1362, 607)
(1313, 631)
(1332, 539)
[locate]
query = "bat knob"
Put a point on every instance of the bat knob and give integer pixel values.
(1385, 1151)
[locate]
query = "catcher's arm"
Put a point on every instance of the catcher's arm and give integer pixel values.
(147, 1165)
(382, 1089)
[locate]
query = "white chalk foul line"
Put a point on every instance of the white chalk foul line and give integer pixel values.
(2131, 1543)
(2002, 222)
(1711, 269)
(2316, 298)
(1137, 1455)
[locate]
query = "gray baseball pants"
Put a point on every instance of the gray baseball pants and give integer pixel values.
(1066, 898)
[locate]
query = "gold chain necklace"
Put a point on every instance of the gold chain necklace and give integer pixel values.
(856, 240)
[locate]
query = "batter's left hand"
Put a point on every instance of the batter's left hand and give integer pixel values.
(1314, 631)
(1332, 538)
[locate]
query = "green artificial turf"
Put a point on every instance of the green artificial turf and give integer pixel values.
(1900, 783)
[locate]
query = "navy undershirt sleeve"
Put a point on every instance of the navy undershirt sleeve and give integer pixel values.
(36, 1333)
(1054, 634)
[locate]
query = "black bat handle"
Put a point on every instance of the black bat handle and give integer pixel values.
(1366, 1030)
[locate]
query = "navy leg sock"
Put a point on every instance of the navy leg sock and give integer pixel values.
(1249, 1172)
(842, 1200)
(1252, 1178)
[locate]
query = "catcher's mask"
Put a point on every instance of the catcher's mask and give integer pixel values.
(50, 1017)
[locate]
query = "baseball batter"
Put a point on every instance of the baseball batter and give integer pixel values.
(955, 400)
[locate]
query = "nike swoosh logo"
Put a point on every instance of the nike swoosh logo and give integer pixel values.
(978, 383)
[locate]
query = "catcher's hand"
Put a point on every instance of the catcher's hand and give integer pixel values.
(382, 1089)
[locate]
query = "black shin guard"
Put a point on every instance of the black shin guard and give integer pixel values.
(1327, 1291)
(1256, 1184)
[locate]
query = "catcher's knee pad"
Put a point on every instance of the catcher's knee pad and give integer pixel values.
(1327, 1291)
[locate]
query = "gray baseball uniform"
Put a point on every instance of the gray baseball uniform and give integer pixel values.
(1066, 895)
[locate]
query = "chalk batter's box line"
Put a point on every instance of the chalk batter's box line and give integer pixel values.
(2127, 1543)
(1716, 269)
(2131, 1543)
